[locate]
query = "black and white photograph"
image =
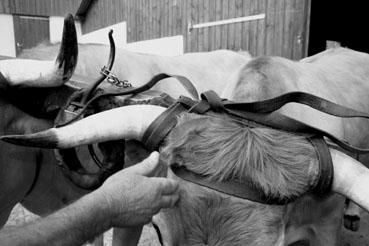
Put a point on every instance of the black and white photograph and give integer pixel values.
(184, 123)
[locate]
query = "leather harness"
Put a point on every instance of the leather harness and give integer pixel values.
(256, 114)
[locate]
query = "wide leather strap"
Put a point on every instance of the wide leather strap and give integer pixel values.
(326, 172)
(232, 188)
(160, 128)
(318, 103)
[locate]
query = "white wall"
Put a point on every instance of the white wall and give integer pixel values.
(7, 43)
(169, 46)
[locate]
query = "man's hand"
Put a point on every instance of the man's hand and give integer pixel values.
(133, 197)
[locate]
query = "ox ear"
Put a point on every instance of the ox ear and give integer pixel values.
(351, 178)
(33, 73)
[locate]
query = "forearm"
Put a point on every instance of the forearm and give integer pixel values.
(72, 225)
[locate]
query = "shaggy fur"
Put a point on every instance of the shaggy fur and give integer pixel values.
(280, 164)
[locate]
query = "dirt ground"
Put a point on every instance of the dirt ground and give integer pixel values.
(21, 216)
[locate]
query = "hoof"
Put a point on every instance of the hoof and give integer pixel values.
(351, 222)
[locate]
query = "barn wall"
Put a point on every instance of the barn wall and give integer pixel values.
(39, 7)
(282, 32)
(104, 13)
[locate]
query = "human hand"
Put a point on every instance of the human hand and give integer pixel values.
(132, 197)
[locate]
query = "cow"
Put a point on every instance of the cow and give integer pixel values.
(281, 164)
(32, 176)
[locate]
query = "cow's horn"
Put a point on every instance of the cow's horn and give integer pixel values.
(33, 73)
(129, 122)
(351, 178)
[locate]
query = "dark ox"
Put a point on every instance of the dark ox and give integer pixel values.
(31, 175)
(280, 164)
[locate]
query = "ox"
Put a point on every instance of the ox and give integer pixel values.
(279, 163)
(31, 176)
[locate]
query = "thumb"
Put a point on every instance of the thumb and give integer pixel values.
(145, 167)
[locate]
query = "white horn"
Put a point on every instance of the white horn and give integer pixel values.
(129, 122)
(351, 178)
(33, 73)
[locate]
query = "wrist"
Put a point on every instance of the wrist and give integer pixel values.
(101, 204)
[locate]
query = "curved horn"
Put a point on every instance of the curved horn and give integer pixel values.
(351, 178)
(33, 73)
(128, 122)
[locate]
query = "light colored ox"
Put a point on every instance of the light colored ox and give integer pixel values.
(30, 175)
(277, 162)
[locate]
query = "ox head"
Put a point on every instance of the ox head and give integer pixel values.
(279, 164)
(38, 90)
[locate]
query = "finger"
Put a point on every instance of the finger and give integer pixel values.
(169, 201)
(166, 186)
(146, 166)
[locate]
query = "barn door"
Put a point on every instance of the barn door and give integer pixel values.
(29, 31)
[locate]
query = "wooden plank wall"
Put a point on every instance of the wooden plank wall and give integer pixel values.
(104, 13)
(283, 32)
(39, 7)
(4, 6)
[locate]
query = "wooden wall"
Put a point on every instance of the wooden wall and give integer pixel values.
(39, 7)
(104, 13)
(284, 31)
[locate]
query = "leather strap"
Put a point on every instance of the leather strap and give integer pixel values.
(211, 104)
(325, 179)
(161, 126)
(318, 103)
(233, 188)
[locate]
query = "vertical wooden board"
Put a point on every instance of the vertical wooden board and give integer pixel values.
(144, 19)
(254, 28)
(207, 17)
(270, 26)
(187, 19)
(279, 27)
(287, 44)
(150, 19)
(5, 6)
(231, 27)
(217, 29)
(224, 29)
(306, 33)
(165, 18)
(178, 18)
(298, 29)
(245, 26)
(130, 25)
(171, 21)
(140, 15)
(212, 30)
(238, 26)
(160, 10)
(155, 13)
(194, 19)
(260, 49)
(200, 31)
